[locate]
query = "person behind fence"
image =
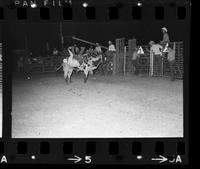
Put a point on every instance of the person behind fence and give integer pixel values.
(156, 50)
(135, 61)
(111, 50)
(111, 47)
(55, 52)
(91, 49)
(171, 60)
(27, 66)
(98, 48)
(20, 64)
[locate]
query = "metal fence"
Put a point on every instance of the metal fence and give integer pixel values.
(143, 63)
(122, 62)
(47, 64)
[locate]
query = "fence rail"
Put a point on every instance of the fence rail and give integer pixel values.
(122, 64)
(48, 64)
(144, 61)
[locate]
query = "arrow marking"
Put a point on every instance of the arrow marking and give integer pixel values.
(161, 159)
(76, 159)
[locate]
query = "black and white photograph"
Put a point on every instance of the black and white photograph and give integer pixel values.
(98, 79)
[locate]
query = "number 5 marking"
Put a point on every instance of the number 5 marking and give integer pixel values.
(88, 159)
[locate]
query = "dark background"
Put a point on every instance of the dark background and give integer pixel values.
(39, 32)
(13, 38)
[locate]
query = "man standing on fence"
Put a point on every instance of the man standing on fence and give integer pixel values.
(171, 60)
(155, 59)
(165, 40)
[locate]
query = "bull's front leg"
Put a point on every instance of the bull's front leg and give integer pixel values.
(86, 73)
(69, 75)
(66, 76)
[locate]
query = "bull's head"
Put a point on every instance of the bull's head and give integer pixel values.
(94, 62)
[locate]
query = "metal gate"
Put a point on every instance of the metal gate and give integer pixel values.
(129, 54)
(179, 61)
(118, 60)
(122, 63)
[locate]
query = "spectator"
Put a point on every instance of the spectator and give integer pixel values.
(111, 47)
(27, 66)
(98, 48)
(55, 52)
(30, 55)
(171, 60)
(20, 64)
(156, 54)
(135, 61)
(91, 49)
(111, 51)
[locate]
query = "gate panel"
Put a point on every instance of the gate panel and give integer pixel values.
(144, 61)
(179, 64)
(131, 48)
(118, 60)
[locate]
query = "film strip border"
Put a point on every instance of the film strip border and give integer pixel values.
(82, 151)
(120, 10)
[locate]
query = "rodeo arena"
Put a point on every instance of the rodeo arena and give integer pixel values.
(88, 89)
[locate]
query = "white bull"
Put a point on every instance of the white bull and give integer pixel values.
(90, 66)
(87, 66)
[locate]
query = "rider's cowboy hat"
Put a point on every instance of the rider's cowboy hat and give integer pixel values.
(165, 29)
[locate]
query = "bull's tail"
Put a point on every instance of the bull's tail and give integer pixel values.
(99, 64)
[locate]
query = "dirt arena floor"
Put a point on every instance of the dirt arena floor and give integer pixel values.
(106, 106)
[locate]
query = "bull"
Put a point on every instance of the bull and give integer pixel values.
(87, 65)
